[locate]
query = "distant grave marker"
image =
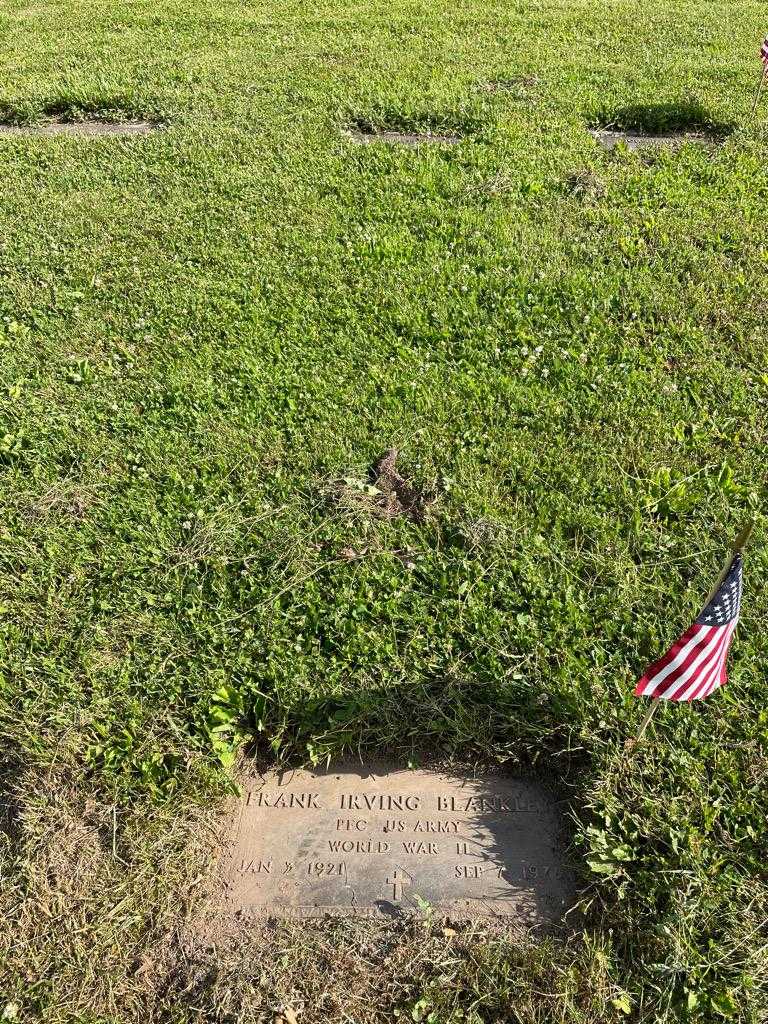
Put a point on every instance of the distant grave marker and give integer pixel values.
(88, 129)
(366, 138)
(520, 86)
(635, 140)
(387, 841)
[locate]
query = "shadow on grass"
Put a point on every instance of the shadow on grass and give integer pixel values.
(663, 118)
(10, 804)
(115, 109)
(413, 121)
(445, 720)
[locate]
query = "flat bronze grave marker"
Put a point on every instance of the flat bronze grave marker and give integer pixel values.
(642, 140)
(88, 129)
(367, 138)
(365, 842)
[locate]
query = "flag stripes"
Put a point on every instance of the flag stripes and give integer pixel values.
(695, 665)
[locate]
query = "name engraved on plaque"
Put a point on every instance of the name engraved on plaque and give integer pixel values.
(390, 841)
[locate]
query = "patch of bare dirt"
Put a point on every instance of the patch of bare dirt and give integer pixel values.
(586, 183)
(400, 498)
(384, 492)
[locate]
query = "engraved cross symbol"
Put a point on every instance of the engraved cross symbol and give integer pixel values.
(397, 881)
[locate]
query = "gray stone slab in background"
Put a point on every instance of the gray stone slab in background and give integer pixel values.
(640, 140)
(385, 841)
(402, 138)
(79, 128)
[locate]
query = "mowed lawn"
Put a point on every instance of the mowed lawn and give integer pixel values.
(207, 337)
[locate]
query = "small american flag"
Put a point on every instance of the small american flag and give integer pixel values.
(764, 51)
(695, 665)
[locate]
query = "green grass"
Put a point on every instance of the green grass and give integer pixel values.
(206, 338)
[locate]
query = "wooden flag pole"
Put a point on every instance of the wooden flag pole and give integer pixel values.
(646, 719)
(741, 539)
(759, 91)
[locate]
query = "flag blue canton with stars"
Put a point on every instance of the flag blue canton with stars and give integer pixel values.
(724, 606)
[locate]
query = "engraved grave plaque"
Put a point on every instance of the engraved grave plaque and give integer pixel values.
(366, 842)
